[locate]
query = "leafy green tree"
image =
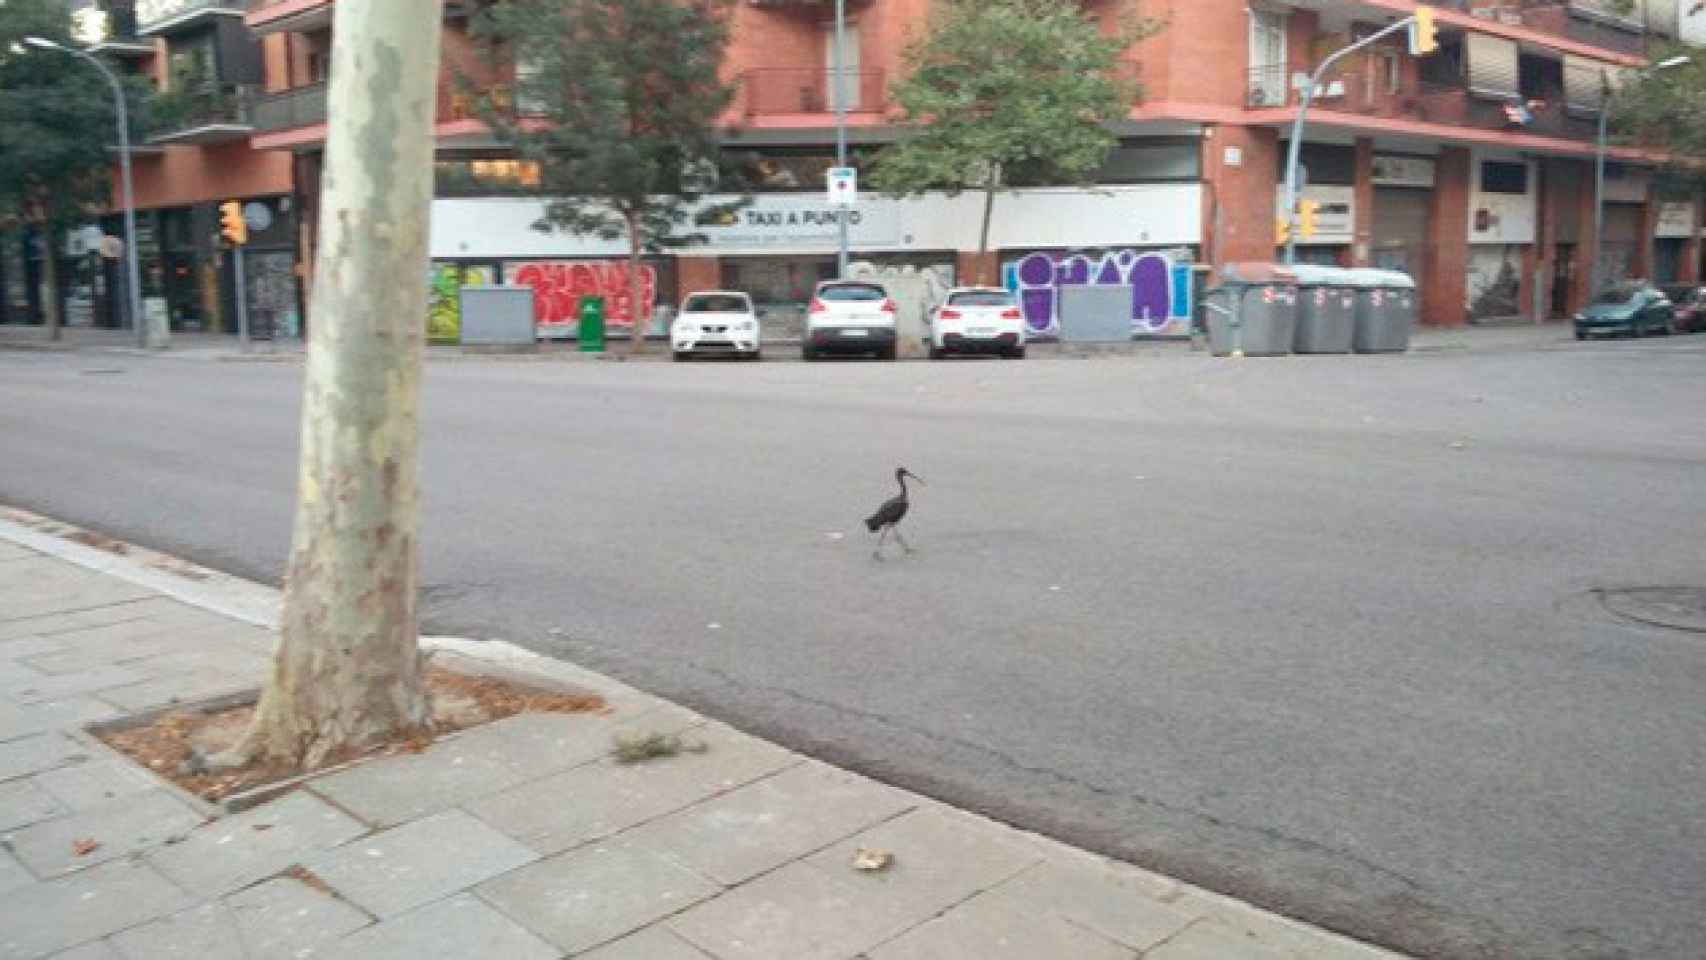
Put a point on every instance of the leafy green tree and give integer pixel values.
(1001, 93)
(1666, 108)
(617, 103)
(56, 125)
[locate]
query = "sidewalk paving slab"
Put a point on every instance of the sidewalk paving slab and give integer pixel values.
(765, 824)
(587, 897)
(37, 920)
(39, 752)
(24, 802)
(120, 827)
(652, 943)
(395, 871)
(742, 851)
(989, 929)
(460, 927)
(611, 797)
(800, 912)
(278, 920)
(232, 852)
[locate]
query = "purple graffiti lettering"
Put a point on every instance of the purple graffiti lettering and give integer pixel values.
(1151, 291)
(1036, 270)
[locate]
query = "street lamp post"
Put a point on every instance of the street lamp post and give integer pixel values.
(840, 94)
(1596, 273)
(134, 301)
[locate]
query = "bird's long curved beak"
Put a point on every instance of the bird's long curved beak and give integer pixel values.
(916, 477)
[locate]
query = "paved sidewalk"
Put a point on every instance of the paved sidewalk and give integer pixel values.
(520, 839)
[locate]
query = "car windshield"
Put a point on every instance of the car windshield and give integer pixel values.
(981, 298)
(1622, 293)
(852, 292)
(715, 303)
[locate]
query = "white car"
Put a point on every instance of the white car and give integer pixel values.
(715, 321)
(850, 316)
(977, 320)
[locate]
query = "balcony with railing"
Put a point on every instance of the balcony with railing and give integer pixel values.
(797, 91)
(168, 16)
(205, 114)
(288, 109)
(1450, 104)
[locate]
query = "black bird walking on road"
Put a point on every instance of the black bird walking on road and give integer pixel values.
(888, 515)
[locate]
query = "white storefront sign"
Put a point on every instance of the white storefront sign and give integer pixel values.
(1675, 220)
(1403, 171)
(1149, 215)
(843, 186)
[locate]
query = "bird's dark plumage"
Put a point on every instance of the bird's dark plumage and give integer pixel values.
(891, 512)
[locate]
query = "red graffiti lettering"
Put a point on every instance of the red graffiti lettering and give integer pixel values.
(558, 287)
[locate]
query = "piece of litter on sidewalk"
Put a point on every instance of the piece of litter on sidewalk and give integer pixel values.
(872, 860)
(1054, 588)
(83, 848)
(1457, 444)
(713, 626)
(835, 535)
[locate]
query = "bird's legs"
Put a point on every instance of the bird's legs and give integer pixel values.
(902, 541)
(877, 554)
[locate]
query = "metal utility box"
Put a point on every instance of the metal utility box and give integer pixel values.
(496, 315)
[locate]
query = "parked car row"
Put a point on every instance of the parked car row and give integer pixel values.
(853, 317)
(1637, 308)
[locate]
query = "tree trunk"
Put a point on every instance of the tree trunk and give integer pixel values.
(347, 672)
(50, 283)
(635, 287)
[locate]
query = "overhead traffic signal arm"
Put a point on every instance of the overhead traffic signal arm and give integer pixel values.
(232, 227)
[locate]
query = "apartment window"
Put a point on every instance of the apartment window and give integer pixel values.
(484, 177)
(319, 56)
(1499, 177)
(1326, 163)
(1444, 67)
(1149, 162)
(1267, 58)
(1391, 71)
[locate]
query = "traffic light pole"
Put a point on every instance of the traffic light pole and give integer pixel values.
(1296, 147)
(242, 303)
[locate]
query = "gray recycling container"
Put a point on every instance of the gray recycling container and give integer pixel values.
(1326, 310)
(1385, 311)
(1253, 310)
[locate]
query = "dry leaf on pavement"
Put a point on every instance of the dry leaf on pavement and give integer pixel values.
(867, 859)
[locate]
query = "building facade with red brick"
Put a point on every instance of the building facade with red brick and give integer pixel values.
(1472, 168)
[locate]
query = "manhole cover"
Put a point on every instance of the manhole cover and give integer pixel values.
(1682, 608)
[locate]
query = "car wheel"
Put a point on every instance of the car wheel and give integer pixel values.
(1014, 353)
(755, 356)
(1636, 330)
(681, 356)
(1581, 334)
(886, 353)
(808, 354)
(937, 353)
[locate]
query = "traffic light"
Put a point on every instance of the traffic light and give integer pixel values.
(1306, 210)
(232, 226)
(1424, 32)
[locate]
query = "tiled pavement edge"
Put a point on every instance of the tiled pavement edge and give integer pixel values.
(519, 839)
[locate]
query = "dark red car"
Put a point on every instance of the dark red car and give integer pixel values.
(1689, 299)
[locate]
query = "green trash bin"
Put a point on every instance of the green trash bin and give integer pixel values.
(591, 333)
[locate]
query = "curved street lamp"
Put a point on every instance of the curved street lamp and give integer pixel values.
(134, 303)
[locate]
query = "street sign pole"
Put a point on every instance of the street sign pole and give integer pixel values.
(242, 303)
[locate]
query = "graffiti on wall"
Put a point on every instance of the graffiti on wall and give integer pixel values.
(444, 298)
(1494, 284)
(559, 286)
(1160, 287)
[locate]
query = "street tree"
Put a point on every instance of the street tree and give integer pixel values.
(1666, 108)
(617, 103)
(348, 670)
(56, 130)
(1003, 93)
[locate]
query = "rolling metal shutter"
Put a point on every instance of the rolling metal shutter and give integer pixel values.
(1401, 219)
(1584, 85)
(1492, 67)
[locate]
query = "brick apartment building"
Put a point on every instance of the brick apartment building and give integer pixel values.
(1471, 169)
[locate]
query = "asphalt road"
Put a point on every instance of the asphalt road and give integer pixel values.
(1321, 633)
